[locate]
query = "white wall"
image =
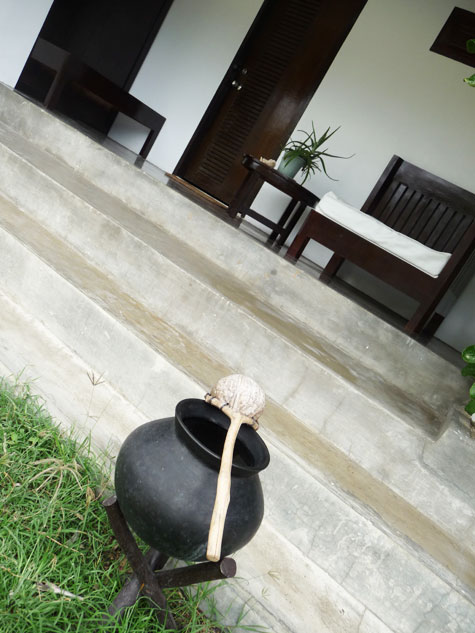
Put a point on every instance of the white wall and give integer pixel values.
(392, 95)
(20, 23)
(183, 69)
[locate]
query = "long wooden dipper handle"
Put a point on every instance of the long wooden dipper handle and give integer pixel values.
(223, 488)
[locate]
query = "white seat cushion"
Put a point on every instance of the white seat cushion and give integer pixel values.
(409, 250)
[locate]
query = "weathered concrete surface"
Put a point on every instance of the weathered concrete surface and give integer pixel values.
(396, 358)
(92, 314)
(371, 529)
(319, 562)
(173, 268)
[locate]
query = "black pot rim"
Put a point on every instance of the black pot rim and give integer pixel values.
(194, 407)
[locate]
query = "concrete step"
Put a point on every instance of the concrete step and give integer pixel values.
(274, 285)
(120, 339)
(209, 297)
(209, 300)
(318, 563)
(319, 387)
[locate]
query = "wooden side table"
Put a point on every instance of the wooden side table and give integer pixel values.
(258, 174)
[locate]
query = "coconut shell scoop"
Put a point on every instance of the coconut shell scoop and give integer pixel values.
(243, 401)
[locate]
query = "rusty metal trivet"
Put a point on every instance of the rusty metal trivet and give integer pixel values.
(147, 580)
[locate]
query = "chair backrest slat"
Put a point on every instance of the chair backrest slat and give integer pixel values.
(404, 222)
(427, 221)
(412, 214)
(465, 222)
(390, 199)
(443, 227)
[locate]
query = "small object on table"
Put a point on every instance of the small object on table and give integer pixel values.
(270, 162)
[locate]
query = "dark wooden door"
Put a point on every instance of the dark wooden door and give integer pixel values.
(277, 69)
(111, 36)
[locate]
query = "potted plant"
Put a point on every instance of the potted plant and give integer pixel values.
(468, 356)
(307, 154)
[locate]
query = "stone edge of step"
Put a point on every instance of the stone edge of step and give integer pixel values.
(286, 330)
(240, 590)
(436, 406)
(113, 169)
(385, 485)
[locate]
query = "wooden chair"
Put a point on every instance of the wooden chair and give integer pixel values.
(417, 204)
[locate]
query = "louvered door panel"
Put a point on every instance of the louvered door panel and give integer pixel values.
(275, 73)
(258, 83)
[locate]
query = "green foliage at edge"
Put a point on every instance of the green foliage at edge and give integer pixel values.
(60, 566)
(471, 49)
(470, 408)
(468, 356)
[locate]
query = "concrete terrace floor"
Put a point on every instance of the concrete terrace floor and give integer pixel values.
(368, 303)
(437, 346)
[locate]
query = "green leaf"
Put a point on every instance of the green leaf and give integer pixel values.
(468, 354)
(470, 408)
(470, 80)
(471, 45)
(468, 370)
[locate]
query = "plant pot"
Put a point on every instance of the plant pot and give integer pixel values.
(166, 475)
(292, 167)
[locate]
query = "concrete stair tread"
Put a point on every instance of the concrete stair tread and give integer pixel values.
(335, 553)
(106, 309)
(288, 291)
(300, 337)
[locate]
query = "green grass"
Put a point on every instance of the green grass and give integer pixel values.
(54, 534)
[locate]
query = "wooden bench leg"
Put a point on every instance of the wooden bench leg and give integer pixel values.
(302, 238)
(331, 268)
(245, 195)
(298, 212)
(433, 324)
(149, 141)
(420, 317)
(297, 247)
(59, 82)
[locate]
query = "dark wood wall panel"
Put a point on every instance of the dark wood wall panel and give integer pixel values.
(113, 37)
(452, 40)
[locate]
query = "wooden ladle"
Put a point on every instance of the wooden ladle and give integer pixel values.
(242, 400)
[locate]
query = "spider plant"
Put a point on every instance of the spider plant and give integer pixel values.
(309, 150)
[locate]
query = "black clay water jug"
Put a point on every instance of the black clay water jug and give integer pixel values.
(165, 481)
